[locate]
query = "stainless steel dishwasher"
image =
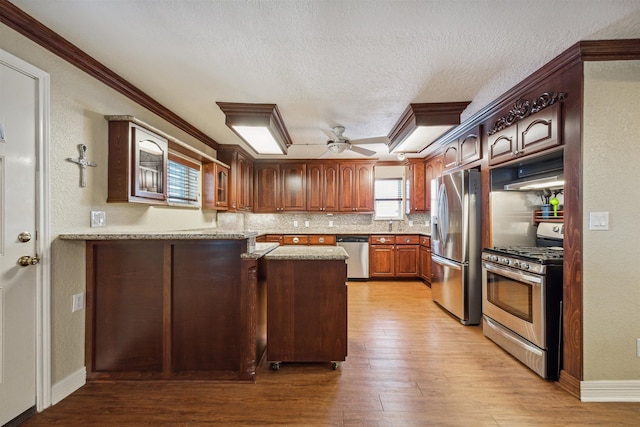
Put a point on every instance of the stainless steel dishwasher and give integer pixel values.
(357, 247)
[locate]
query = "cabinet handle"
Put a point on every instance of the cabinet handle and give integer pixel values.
(321, 240)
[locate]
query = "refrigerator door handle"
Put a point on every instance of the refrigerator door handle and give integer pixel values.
(446, 262)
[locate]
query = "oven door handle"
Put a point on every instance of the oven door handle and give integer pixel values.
(515, 275)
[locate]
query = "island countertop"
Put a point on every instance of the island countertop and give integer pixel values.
(195, 234)
(307, 253)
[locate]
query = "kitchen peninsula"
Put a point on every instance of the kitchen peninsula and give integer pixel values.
(182, 305)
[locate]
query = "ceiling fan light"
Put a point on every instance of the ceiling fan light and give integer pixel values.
(338, 147)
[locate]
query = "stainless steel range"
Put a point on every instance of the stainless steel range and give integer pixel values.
(522, 300)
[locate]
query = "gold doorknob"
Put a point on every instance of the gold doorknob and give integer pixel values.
(27, 260)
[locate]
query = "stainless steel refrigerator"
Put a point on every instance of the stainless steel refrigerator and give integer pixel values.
(456, 244)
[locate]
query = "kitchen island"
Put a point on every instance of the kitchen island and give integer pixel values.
(306, 304)
(183, 305)
(203, 305)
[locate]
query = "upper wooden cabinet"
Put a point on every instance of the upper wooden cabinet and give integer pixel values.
(137, 164)
(322, 187)
(240, 177)
(417, 186)
(356, 187)
(433, 168)
(313, 186)
(464, 150)
(530, 135)
(280, 187)
(215, 186)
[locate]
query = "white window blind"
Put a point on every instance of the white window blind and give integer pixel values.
(388, 198)
(183, 182)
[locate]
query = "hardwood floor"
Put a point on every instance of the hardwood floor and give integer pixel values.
(408, 364)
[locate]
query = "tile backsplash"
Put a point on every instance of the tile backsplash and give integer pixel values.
(319, 223)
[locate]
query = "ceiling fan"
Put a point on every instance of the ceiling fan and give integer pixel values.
(338, 143)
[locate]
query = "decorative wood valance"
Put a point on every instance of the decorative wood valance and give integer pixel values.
(525, 107)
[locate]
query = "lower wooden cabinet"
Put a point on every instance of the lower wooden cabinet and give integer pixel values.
(307, 313)
(173, 310)
(394, 256)
(425, 258)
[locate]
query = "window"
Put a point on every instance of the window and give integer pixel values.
(183, 178)
(388, 198)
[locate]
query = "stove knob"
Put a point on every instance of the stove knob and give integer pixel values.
(516, 264)
(493, 258)
(525, 266)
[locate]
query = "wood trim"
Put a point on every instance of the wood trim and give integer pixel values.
(610, 50)
(34, 30)
(89, 305)
(167, 309)
(570, 384)
(183, 161)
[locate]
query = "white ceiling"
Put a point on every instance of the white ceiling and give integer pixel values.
(355, 63)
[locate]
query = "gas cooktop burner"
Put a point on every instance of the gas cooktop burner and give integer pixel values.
(543, 255)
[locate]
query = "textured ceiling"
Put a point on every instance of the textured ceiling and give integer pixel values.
(355, 63)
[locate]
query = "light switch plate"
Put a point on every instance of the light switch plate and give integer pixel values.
(78, 302)
(598, 220)
(98, 219)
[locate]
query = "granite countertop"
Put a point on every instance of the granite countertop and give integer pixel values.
(260, 250)
(307, 253)
(196, 234)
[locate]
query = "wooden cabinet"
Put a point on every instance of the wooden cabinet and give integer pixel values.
(280, 187)
(322, 239)
(215, 186)
(309, 239)
(382, 256)
(356, 187)
(417, 186)
(154, 313)
(462, 151)
(240, 177)
(322, 187)
(294, 239)
(432, 169)
(407, 256)
(274, 238)
(306, 313)
(425, 258)
(137, 164)
(394, 256)
(533, 134)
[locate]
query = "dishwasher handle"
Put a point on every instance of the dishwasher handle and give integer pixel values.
(352, 239)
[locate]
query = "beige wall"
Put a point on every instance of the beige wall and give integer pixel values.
(78, 104)
(611, 153)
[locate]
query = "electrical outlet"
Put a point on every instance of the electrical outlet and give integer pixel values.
(410, 223)
(98, 218)
(295, 223)
(330, 223)
(638, 347)
(306, 223)
(78, 302)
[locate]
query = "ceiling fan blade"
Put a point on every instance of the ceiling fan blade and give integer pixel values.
(375, 140)
(327, 153)
(332, 136)
(363, 151)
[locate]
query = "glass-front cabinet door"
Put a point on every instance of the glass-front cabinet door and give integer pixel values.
(149, 169)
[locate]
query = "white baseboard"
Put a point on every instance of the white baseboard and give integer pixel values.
(610, 391)
(68, 385)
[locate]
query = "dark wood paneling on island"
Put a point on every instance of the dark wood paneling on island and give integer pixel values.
(173, 310)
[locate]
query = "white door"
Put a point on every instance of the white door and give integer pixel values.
(18, 233)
